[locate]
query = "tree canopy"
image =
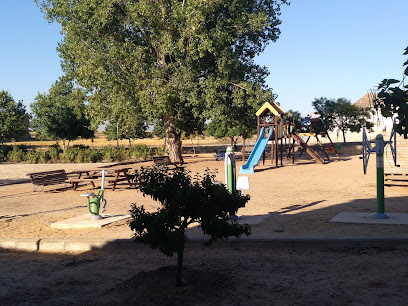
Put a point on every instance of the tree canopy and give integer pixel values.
(393, 100)
(236, 116)
(60, 114)
(126, 125)
(174, 59)
(11, 117)
(341, 114)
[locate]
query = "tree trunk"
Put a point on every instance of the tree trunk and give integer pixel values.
(179, 275)
(173, 142)
(232, 140)
(192, 143)
(243, 149)
(344, 136)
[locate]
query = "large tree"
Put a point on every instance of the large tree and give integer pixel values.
(60, 114)
(341, 114)
(350, 117)
(393, 100)
(236, 116)
(11, 118)
(326, 109)
(174, 58)
(126, 125)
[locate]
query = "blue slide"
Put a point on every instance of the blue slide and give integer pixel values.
(256, 153)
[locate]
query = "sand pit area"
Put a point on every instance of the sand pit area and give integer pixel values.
(295, 201)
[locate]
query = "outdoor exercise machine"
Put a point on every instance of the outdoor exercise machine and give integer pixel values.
(94, 202)
(379, 151)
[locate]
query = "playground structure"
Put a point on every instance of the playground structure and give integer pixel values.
(316, 128)
(276, 128)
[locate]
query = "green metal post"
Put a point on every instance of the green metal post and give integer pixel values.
(379, 150)
(230, 172)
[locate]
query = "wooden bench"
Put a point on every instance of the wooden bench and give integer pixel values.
(41, 179)
(162, 160)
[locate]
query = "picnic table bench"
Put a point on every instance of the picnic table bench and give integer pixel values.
(46, 178)
(113, 176)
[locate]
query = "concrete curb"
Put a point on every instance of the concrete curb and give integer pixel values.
(56, 245)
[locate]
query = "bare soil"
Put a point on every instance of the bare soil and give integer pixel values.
(298, 201)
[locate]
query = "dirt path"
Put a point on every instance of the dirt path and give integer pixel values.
(296, 200)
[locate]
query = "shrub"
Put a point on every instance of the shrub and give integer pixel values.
(44, 156)
(4, 150)
(91, 155)
(16, 155)
(70, 154)
(54, 152)
(34, 157)
(115, 153)
(160, 151)
(140, 152)
(31, 157)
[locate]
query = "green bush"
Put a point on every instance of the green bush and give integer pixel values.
(140, 152)
(83, 154)
(160, 151)
(4, 150)
(32, 157)
(44, 156)
(71, 154)
(54, 152)
(16, 155)
(89, 156)
(115, 153)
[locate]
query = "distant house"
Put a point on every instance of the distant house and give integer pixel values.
(381, 124)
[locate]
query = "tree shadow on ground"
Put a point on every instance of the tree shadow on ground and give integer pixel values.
(5, 182)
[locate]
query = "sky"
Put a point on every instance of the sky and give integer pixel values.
(327, 48)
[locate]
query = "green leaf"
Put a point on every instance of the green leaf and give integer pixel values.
(392, 81)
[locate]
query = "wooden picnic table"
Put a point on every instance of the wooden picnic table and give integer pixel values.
(113, 175)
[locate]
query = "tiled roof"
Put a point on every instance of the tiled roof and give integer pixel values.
(365, 101)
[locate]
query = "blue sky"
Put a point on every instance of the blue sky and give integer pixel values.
(327, 48)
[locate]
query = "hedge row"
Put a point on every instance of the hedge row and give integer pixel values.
(78, 153)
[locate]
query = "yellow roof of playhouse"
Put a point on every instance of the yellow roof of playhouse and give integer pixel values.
(273, 108)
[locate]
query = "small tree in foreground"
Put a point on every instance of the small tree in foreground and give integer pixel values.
(184, 201)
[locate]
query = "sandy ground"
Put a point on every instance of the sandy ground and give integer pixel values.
(298, 201)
